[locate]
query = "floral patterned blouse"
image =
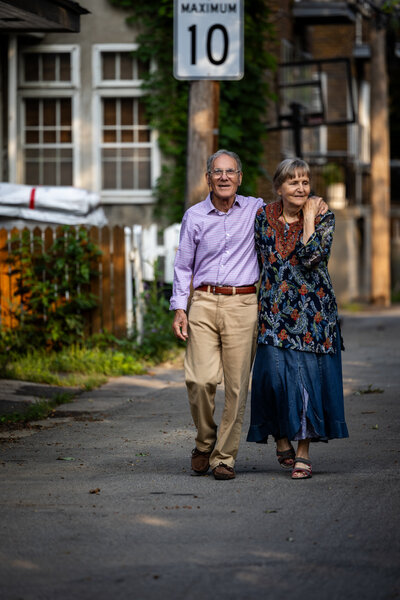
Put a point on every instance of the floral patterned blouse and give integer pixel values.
(297, 305)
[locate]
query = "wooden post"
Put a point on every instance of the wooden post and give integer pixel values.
(202, 139)
(119, 282)
(5, 282)
(95, 313)
(380, 172)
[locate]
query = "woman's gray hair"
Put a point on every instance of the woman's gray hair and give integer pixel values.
(288, 168)
(210, 159)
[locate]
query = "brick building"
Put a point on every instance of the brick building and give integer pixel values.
(329, 44)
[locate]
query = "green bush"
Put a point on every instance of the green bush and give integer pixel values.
(53, 287)
(158, 338)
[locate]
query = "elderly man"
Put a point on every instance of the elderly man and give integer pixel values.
(217, 249)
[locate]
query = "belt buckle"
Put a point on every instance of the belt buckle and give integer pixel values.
(213, 289)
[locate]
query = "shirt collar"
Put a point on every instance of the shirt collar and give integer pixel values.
(209, 206)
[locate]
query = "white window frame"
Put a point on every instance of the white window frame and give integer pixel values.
(71, 49)
(119, 89)
(53, 90)
(98, 82)
(364, 127)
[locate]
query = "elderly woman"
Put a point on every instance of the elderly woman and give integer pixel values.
(297, 391)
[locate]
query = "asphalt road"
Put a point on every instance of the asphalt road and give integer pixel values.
(100, 503)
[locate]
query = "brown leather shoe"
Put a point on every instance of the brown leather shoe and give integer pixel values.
(200, 461)
(224, 472)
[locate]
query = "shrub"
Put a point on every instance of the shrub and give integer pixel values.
(53, 287)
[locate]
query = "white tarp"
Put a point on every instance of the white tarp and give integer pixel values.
(65, 205)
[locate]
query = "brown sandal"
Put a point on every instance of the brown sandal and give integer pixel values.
(306, 473)
(286, 458)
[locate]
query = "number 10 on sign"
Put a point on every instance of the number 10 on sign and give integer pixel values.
(208, 40)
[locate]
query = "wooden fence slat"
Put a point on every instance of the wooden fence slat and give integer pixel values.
(106, 295)
(119, 282)
(95, 286)
(48, 238)
(13, 279)
(5, 318)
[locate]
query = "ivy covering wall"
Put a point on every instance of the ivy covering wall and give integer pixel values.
(243, 104)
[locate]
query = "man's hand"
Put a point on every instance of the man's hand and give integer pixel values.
(179, 325)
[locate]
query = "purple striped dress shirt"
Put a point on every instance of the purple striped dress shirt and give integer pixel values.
(216, 248)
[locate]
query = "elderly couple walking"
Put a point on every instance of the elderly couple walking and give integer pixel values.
(226, 241)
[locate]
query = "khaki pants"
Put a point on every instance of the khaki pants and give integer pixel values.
(222, 334)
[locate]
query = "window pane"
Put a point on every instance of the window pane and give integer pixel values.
(65, 112)
(143, 154)
(109, 176)
(66, 154)
(32, 112)
(49, 173)
(109, 154)
(127, 176)
(48, 154)
(49, 137)
(128, 154)
(31, 173)
(65, 169)
(109, 136)
(65, 67)
(109, 112)
(126, 135)
(31, 137)
(66, 136)
(144, 176)
(31, 67)
(109, 164)
(142, 115)
(108, 65)
(143, 135)
(49, 67)
(126, 111)
(66, 174)
(126, 65)
(49, 112)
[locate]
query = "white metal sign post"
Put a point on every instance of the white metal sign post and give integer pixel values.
(208, 40)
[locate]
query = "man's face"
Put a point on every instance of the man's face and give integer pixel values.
(224, 186)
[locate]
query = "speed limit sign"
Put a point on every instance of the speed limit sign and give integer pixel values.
(208, 40)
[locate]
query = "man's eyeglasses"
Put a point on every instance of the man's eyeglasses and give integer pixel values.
(217, 173)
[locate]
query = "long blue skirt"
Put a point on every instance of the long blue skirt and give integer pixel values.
(296, 394)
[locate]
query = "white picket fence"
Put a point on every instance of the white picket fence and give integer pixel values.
(142, 250)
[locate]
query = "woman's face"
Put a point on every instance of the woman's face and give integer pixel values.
(295, 191)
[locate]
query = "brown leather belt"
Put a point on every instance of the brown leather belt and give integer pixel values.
(227, 290)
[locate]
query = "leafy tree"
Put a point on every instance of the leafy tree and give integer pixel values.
(242, 103)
